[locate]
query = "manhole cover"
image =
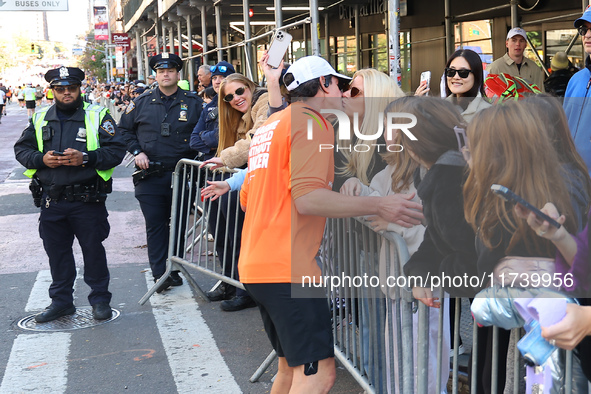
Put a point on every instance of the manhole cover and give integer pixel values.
(81, 319)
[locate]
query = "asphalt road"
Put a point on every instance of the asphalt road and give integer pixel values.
(176, 342)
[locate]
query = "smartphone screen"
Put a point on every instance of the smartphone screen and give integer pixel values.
(508, 195)
(56, 153)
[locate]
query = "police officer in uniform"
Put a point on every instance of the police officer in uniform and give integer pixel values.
(157, 127)
(70, 150)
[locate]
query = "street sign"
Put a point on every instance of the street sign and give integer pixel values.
(33, 5)
(121, 40)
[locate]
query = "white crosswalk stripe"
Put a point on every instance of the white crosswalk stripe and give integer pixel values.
(39, 297)
(196, 363)
(38, 363)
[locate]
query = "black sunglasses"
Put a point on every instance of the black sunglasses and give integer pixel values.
(463, 73)
(355, 92)
(230, 97)
(222, 69)
(71, 88)
(583, 30)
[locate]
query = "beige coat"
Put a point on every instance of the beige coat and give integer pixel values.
(237, 155)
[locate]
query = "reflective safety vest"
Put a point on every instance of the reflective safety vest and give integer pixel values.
(93, 116)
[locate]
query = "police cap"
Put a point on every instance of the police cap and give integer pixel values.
(166, 60)
(64, 76)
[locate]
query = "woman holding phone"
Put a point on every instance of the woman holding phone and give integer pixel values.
(464, 78)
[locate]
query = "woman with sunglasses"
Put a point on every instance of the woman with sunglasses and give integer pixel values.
(464, 83)
(242, 108)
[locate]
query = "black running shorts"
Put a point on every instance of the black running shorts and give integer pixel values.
(299, 329)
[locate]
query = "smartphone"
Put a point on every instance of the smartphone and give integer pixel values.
(56, 153)
(278, 48)
(426, 76)
(506, 194)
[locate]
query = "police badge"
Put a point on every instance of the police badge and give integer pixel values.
(183, 116)
(108, 127)
(81, 136)
(64, 73)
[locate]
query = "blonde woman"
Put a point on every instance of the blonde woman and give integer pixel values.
(368, 95)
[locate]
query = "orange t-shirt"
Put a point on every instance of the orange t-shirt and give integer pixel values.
(279, 244)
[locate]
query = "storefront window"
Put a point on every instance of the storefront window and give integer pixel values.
(346, 53)
(477, 36)
(558, 40)
(405, 61)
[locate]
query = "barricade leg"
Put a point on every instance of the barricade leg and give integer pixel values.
(264, 366)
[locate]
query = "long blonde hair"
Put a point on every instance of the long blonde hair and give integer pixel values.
(378, 90)
(230, 117)
(508, 148)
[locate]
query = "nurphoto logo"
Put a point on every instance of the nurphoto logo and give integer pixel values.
(366, 142)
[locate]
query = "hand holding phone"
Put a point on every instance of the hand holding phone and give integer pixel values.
(506, 194)
(424, 84)
(278, 48)
(57, 153)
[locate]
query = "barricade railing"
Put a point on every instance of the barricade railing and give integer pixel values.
(113, 110)
(382, 335)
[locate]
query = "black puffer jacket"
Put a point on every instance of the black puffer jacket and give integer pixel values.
(448, 247)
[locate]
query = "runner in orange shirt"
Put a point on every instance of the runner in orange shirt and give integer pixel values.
(287, 196)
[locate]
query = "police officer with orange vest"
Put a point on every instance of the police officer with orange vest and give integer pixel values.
(70, 150)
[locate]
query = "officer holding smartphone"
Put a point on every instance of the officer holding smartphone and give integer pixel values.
(157, 127)
(70, 149)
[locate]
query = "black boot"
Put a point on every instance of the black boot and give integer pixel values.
(223, 292)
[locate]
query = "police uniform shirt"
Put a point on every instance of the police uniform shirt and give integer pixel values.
(71, 135)
(141, 125)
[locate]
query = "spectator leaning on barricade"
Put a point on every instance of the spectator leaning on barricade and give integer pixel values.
(157, 126)
(514, 61)
(505, 244)
(464, 88)
(286, 196)
(70, 149)
(242, 110)
(576, 104)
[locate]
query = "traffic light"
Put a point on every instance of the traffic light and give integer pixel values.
(32, 48)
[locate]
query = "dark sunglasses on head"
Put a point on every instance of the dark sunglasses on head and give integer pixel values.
(583, 30)
(463, 73)
(222, 69)
(355, 92)
(230, 97)
(71, 88)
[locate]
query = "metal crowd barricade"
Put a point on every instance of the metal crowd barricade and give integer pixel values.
(192, 247)
(373, 326)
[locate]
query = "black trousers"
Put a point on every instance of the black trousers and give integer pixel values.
(231, 219)
(155, 197)
(58, 225)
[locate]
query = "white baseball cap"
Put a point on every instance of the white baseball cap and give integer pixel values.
(308, 68)
(517, 31)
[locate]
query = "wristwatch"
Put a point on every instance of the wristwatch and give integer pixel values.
(136, 152)
(84, 158)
